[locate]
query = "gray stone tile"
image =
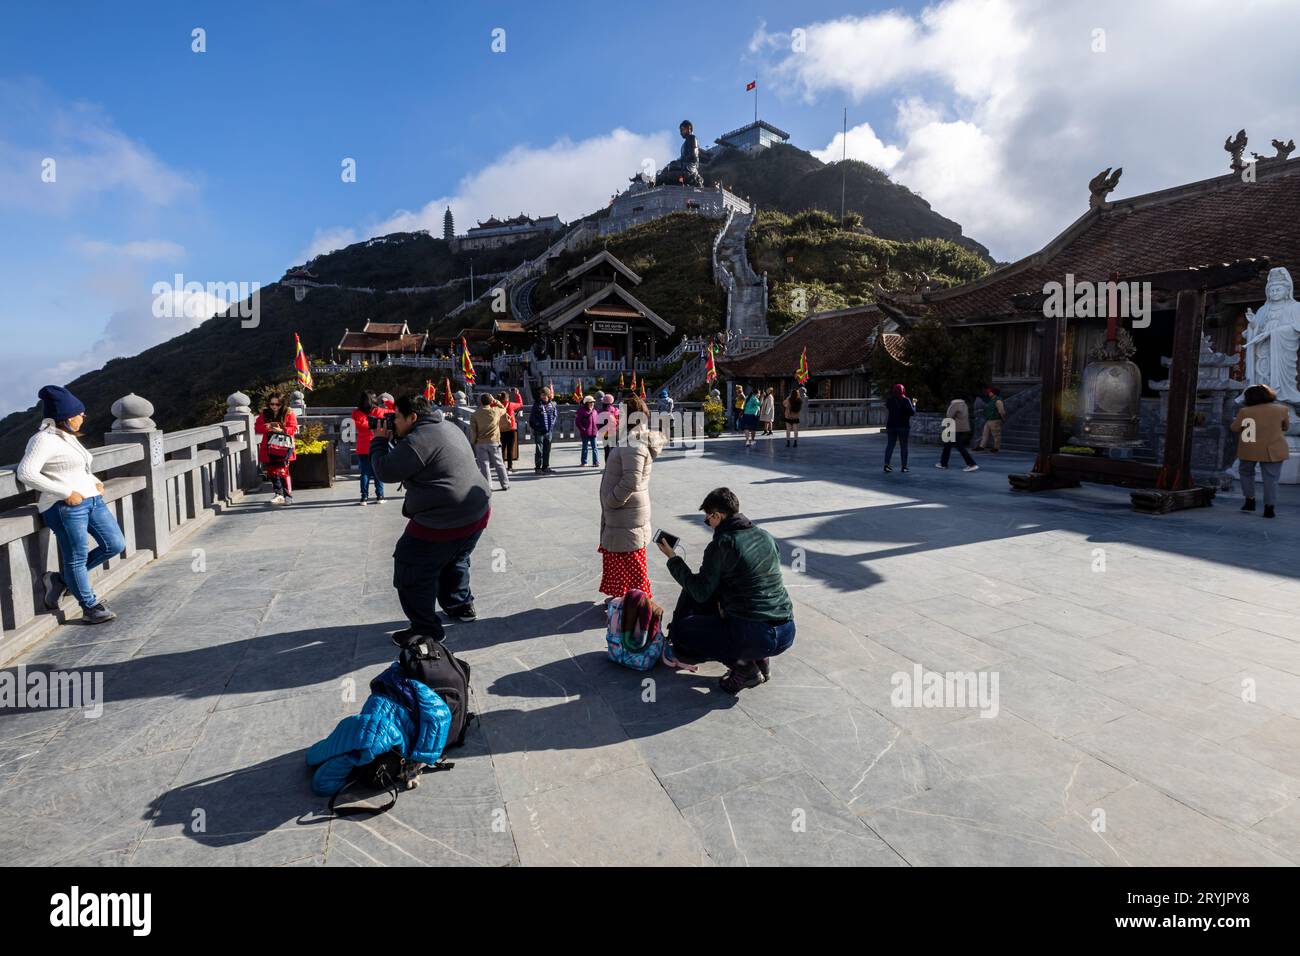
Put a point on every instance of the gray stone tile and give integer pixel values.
(790, 820)
(963, 824)
(587, 825)
(1206, 776)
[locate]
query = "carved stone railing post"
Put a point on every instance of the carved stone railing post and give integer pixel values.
(237, 410)
(133, 424)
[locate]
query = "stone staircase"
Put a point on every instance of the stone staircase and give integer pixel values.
(1020, 430)
(687, 378)
(746, 291)
(521, 299)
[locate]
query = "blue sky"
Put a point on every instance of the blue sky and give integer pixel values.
(225, 165)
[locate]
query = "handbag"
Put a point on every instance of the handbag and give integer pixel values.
(279, 447)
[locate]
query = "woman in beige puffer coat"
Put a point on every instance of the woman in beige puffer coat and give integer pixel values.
(625, 527)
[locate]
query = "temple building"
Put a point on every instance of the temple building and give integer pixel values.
(754, 137)
(599, 320)
(495, 233)
(1212, 221)
(378, 340)
(839, 345)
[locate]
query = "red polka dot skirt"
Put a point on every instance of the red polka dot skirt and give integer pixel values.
(624, 571)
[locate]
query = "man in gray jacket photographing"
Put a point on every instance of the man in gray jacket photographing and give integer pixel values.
(447, 504)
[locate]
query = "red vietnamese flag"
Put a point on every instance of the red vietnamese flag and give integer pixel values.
(428, 389)
(447, 397)
(710, 370)
(752, 84)
(643, 389)
(634, 380)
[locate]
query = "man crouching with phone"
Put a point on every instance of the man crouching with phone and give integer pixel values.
(447, 504)
(736, 609)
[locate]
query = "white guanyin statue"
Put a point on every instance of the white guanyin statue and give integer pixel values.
(1272, 338)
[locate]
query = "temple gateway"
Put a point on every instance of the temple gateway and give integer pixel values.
(599, 325)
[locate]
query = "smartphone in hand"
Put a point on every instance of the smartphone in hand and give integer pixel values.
(669, 539)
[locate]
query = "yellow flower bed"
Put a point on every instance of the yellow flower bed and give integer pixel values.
(310, 447)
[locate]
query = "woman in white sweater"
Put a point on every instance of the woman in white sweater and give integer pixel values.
(71, 503)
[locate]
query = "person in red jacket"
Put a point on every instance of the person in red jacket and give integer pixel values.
(363, 417)
(510, 405)
(275, 425)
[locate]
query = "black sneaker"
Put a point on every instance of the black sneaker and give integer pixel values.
(740, 678)
(1269, 512)
(888, 469)
(1249, 505)
(98, 614)
(464, 612)
(55, 589)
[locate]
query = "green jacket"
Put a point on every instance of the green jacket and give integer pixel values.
(741, 570)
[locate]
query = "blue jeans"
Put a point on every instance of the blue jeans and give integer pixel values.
(429, 573)
(896, 436)
(590, 442)
(698, 634)
(70, 525)
(367, 473)
(1271, 470)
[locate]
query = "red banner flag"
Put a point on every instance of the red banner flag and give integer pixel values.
(634, 380)
(428, 389)
(466, 364)
(300, 364)
(621, 385)
(710, 369)
(751, 85)
(447, 397)
(577, 392)
(643, 389)
(801, 373)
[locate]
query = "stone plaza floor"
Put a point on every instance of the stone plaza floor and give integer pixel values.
(1148, 669)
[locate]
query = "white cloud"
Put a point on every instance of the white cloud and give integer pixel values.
(142, 249)
(569, 179)
(863, 144)
(1003, 111)
(80, 150)
(327, 240)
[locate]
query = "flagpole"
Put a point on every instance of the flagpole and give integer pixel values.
(844, 155)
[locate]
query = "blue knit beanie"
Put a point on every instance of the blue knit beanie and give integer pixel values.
(59, 404)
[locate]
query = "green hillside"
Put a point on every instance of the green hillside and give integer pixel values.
(790, 180)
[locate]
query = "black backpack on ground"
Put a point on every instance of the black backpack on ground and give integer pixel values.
(429, 662)
(390, 772)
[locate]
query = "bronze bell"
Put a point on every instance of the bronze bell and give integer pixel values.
(1110, 398)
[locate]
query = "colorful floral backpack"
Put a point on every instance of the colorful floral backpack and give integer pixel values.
(635, 633)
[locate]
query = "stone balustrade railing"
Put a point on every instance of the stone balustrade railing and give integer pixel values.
(160, 485)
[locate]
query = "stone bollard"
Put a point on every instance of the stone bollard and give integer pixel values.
(133, 424)
(297, 404)
(237, 410)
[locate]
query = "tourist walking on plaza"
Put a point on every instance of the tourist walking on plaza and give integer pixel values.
(995, 413)
(958, 419)
(792, 408)
(485, 437)
(448, 504)
(1261, 426)
(767, 410)
(607, 423)
(749, 420)
(898, 425)
(625, 506)
(367, 408)
(735, 609)
(510, 405)
(586, 424)
(277, 425)
(542, 421)
(737, 408)
(71, 503)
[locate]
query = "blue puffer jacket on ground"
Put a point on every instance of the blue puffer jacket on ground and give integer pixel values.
(382, 725)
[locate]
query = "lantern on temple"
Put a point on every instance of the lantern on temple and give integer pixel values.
(1111, 392)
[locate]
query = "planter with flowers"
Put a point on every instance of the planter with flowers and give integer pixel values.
(314, 466)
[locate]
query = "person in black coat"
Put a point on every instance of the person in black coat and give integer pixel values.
(898, 425)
